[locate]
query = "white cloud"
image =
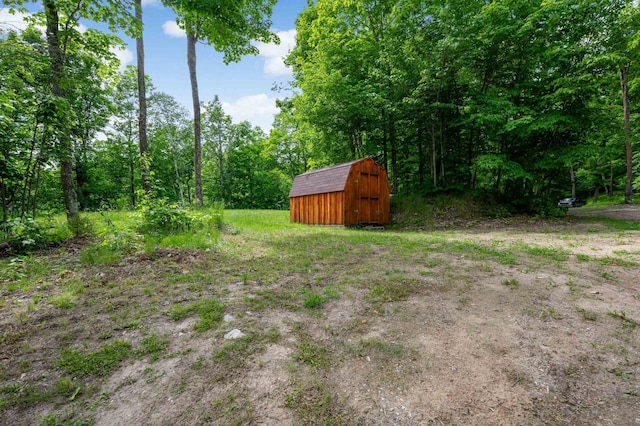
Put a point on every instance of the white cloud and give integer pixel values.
(150, 2)
(124, 55)
(16, 22)
(256, 109)
(172, 29)
(12, 22)
(274, 54)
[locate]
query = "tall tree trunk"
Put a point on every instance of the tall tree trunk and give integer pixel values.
(385, 149)
(35, 195)
(573, 180)
(220, 166)
(179, 181)
(197, 146)
(56, 56)
(142, 105)
(421, 158)
(624, 83)
(394, 153)
(434, 164)
(442, 170)
(610, 193)
(3, 196)
(132, 185)
(28, 174)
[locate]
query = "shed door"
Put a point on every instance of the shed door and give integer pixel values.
(369, 190)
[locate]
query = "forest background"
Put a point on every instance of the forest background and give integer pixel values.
(513, 101)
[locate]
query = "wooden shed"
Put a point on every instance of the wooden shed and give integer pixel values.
(354, 193)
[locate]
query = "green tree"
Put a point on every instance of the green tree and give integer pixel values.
(25, 145)
(142, 102)
(171, 152)
(60, 18)
(495, 97)
(217, 133)
(123, 132)
(230, 26)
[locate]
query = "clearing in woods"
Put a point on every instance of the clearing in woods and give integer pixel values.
(521, 322)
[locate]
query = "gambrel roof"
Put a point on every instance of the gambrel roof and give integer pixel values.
(320, 181)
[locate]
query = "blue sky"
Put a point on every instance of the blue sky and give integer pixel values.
(244, 88)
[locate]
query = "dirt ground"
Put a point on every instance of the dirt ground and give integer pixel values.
(549, 336)
(623, 212)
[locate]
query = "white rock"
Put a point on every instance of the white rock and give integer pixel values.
(234, 334)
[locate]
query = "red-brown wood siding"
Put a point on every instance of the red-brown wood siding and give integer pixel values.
(364, 200)
(317, 209)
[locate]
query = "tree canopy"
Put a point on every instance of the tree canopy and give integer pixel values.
(513, 100)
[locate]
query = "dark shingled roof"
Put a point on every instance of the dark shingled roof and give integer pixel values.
(329, 179)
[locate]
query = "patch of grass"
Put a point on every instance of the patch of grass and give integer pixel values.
(392, 290)
(66, 418)
(101, 362)
(616, 261)
(388, 350)
(198, 364)
(552, 253)
(150, 375)
(312, 353)
(315, 404)
(588, 315)
(624, 375)
(235, 353)
(209, 311)
(187, 240)
(607, 276)
(100, 255)
(432, 262)
(620, 225)
(66, 300)
(25, 272)
(26, 394)
(583, 257)
(273, 334)
(626, 322)
(511, 283)
(180, 312)
(550, 313)
(131, 325)
(268, 298)
(152, 346)
(312, 300)
(68, 388)
(476, 251)
(181, 387)
(12, 336)
(232, 410)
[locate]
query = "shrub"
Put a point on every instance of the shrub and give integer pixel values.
(157, 216)
(21, 236)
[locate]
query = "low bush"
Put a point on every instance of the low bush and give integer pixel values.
(157, 216)
(21, 236)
